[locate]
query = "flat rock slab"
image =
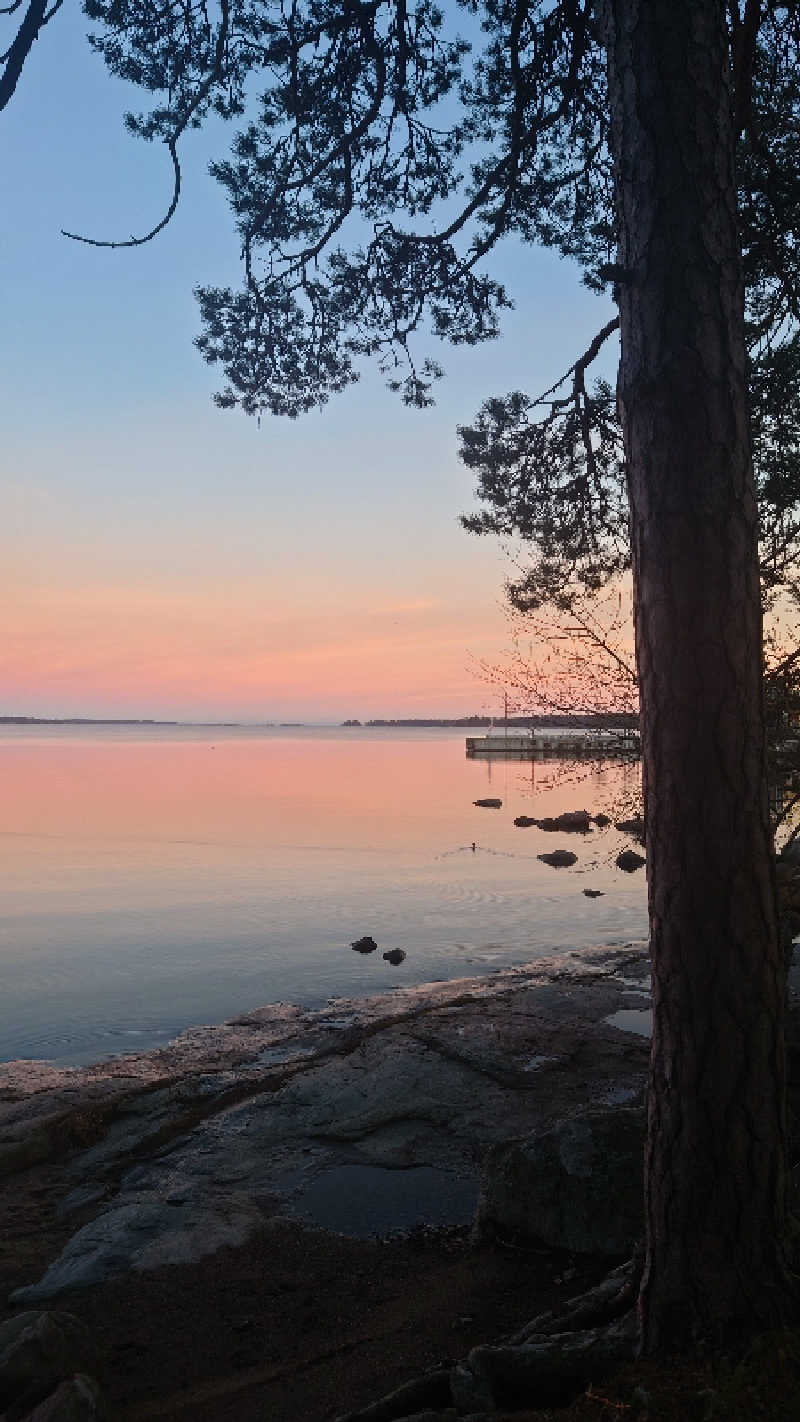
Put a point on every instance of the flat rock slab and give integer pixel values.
(368, 1116)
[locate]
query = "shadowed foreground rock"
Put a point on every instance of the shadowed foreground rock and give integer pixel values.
(44, 1358)
(547, 1364)
(577, 1186)
(77, 1399)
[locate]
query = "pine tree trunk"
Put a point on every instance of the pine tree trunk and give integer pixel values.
(715, 1157)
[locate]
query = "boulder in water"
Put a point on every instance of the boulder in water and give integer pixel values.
(364, 945)
(576, 821)
(395, 956)
(629, 860)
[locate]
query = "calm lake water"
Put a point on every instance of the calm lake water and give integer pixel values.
(159, 878)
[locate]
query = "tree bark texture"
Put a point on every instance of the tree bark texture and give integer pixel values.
(715, 1157)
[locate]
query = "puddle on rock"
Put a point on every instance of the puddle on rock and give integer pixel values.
(633, 1019)
(365, 1200)
(281, 1053)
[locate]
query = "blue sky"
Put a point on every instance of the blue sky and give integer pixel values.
(162, 557)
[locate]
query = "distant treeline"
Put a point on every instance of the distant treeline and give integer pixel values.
(590, 721)
(80, 721)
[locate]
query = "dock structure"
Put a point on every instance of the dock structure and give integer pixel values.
(555, 742)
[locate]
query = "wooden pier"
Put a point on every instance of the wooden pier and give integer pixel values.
(518, 744)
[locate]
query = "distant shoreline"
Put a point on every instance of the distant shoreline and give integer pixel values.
(583, 720)
(612, 720)
(118, 721)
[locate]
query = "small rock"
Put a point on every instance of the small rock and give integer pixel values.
(364, 945)
(395, 956)
(602, 820)
(559, 858)
(593, 893)
(524, 821)
(76, 1400)
(634, 826)
(489, 804)
(629, 860)
(38, 1351)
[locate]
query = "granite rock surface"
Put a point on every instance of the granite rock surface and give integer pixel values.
(366, 1116)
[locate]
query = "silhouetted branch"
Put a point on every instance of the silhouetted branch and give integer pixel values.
(578, 371)
(14, 58)
(171, 145)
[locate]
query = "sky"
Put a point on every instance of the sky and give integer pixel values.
(160, 557)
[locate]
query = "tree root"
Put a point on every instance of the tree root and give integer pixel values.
(546, 1370)
(544, 1364)
(613, 1296)
(429, 1393)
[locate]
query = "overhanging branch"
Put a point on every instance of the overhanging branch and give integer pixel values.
(36, 17)
(171, 144)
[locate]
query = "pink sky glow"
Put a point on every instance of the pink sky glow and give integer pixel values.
(160, 557)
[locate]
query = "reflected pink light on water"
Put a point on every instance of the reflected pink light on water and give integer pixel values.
(279, 791)
(267, 792)
(153, 878)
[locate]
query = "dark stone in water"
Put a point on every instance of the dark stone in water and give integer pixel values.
(395, 956)
(559, 858)
(602, 820)
(571, 820)
(634, 826)
(364, 945)
(489, 804)
(579, 821)
(629, 860)
(593, 893)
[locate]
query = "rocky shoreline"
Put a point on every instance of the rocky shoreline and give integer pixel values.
(365, 1116)
(509, 1105)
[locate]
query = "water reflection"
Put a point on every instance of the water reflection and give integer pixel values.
(158, 879)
